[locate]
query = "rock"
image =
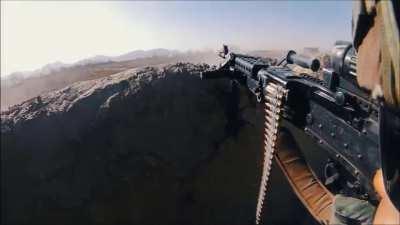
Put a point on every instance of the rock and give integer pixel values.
(144, 146)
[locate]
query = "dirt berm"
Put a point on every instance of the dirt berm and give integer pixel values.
(147, 146)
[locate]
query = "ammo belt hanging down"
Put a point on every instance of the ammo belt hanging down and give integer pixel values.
(314, 196)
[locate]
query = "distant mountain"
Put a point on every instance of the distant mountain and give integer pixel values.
(145, 54)
(268, 53)
(94, 60)
(16, 77)
(51, 67)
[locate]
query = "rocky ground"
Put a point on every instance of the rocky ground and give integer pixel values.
(16, 89)
(144, 146)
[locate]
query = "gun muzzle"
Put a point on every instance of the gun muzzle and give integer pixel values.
(303, 61)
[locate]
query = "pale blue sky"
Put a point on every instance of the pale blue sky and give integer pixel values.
(36, 33)
(254, 25)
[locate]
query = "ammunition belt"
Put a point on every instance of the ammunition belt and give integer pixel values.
(273, 104)
(281, 146)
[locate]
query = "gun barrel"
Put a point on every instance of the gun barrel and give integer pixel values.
(303, 61)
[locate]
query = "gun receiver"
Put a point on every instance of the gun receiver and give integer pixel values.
(338, 114)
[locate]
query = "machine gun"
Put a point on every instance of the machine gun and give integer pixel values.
(334, 111)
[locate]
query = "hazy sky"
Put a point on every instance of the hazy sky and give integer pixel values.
(36, 33)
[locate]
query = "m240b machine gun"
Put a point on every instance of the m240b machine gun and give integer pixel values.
(360, 134)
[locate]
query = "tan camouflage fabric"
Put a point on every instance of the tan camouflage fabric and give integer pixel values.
(378, 65)
(390, 53)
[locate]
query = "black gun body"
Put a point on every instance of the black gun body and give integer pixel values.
(248, 65)
(361, 135)
(337, 117)
(357, 151)
(347, 127)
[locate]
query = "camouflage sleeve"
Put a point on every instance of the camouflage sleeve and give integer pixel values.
(375, 29)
